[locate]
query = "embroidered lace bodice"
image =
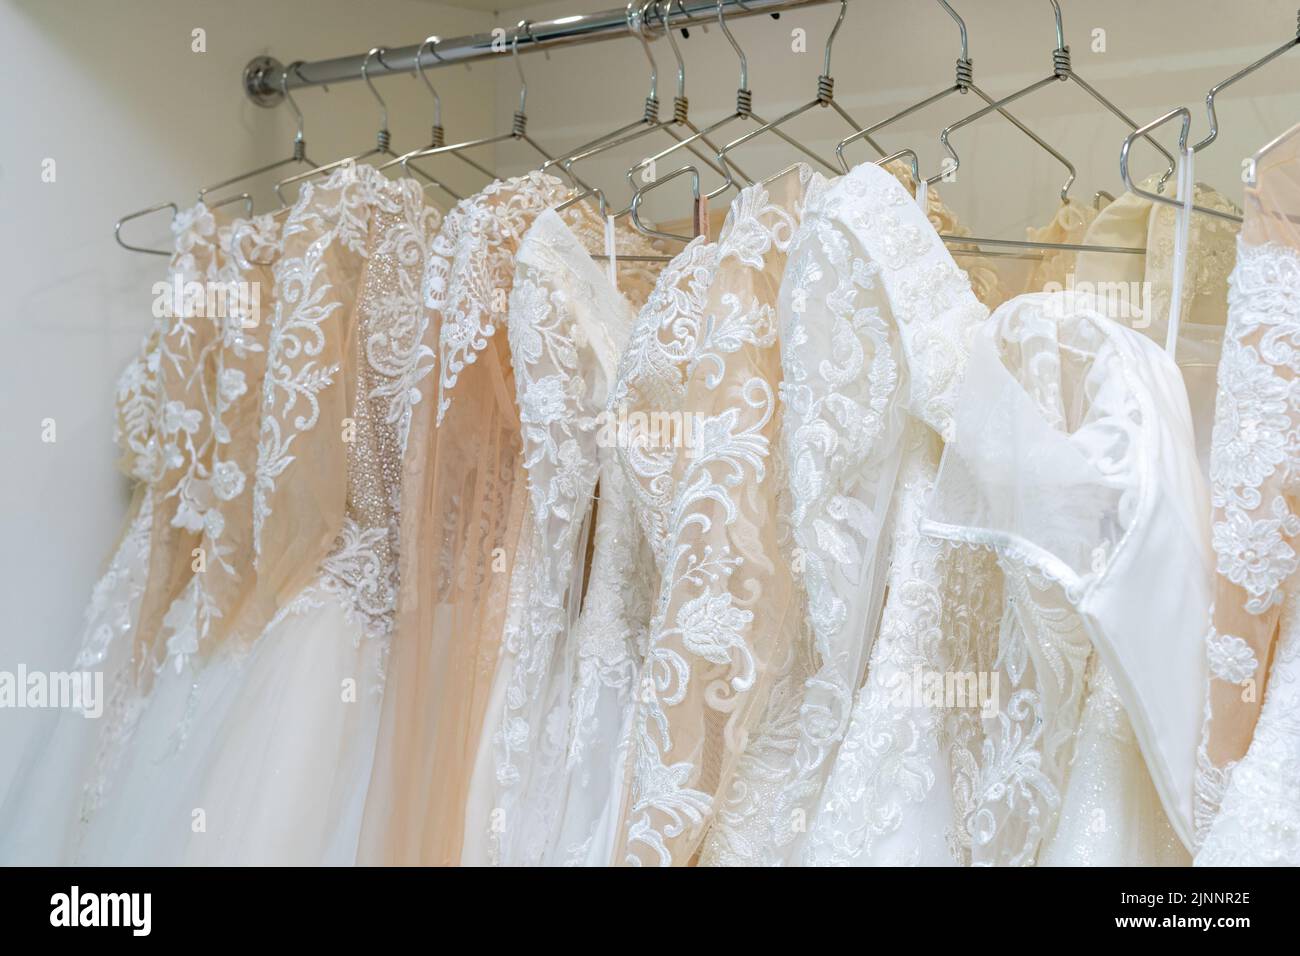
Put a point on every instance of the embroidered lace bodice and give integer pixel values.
(703, 360)
(1249, 764)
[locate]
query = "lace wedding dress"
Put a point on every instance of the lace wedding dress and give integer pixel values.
(1073, 462)
(162, 441)
(259, 752)
(1248, 785)
(538, 771)
(466, 524)
(704, 351)
(874, 318)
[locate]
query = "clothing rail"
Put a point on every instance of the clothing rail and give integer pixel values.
(263, 75)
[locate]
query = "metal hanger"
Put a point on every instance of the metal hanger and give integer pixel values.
(117, 228)
(1061, 71)
(964, 82)
(299, 149)
(825, 97)
(438, 136)
(519, 125)
(1240, 74)
(649, 121)
(382, 138)
(744, 111)
(1186, 114)
(1210, 137)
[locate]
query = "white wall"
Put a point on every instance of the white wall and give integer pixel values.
(113, 93)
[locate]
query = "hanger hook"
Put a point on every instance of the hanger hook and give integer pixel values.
(365, 75)
(961, 27)
(296, 66)
(744, 65)
(1060, 28)
(526, 27)
(431, 42)
(672, 42)
(830, 40)
(634, 17)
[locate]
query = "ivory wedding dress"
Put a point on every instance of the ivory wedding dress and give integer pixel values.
(538, 773)
(1248, 786)
(705, 348)
(875, 317)
(1073, 461)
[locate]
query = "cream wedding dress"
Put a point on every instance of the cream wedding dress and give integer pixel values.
(1248, 787)
(162, 441)
(1073, 461)
(257, 748)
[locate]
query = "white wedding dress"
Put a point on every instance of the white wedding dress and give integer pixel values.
(544, 777)
(1073, 461)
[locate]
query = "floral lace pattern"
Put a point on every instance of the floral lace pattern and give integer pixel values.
(468, 276)
(1255, 461)
(565, 326)
(718, 619)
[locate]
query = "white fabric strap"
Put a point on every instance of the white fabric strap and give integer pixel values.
(610, 252)
(1182, 230)
(923, 193)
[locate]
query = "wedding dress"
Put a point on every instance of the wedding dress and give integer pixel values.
(259, 751)
(537, 772)
(1099, 823)
(705, 350)
(1248, 785)
(874, 320)
(156, 434)
(465, 524)
(1073, 461)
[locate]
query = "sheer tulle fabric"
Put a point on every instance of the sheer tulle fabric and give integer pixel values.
(160, 446)
(464, 514)
(1247, 776)
(567, 327)
(875, 316)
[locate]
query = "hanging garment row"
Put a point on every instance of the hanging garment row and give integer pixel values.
(525, 535)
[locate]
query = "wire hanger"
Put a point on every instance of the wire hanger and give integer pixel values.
(1188, 151)
(1062, 71)
(964, 83)
(438, 136)
(382, 137)
(1210, 137)
(744, 111)
(1240, 74)
(519, 125)
(299, 155)
(825, 97)
(649, 121)
(117, 227)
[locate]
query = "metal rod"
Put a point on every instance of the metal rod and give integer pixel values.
(262, 77)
